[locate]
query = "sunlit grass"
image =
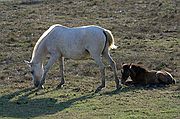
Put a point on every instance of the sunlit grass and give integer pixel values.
(145, 32)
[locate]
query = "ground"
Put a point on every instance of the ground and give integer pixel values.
(145, 31)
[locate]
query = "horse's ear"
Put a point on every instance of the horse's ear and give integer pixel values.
(27, 62)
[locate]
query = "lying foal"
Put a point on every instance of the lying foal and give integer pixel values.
(142, 76)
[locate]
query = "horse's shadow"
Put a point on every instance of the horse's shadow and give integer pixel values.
(21, 106)
(25, 103)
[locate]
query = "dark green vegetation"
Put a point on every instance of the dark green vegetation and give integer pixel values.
(146, 32)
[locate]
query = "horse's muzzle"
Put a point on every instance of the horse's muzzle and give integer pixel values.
(36, 83)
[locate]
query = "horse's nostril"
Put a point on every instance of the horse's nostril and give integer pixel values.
(36, 83)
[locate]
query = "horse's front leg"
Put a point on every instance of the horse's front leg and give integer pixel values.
(51, 61)
(61, 61)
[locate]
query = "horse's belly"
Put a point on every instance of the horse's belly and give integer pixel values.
(76, 55)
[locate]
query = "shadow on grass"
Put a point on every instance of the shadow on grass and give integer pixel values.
(134, 88)
(20, 105)
(26, 104)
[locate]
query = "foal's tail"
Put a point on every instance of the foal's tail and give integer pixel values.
(110, 39)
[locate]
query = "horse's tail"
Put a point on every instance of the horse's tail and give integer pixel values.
(109, 39)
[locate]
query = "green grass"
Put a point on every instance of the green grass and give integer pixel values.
(145, 31)
(67, 103)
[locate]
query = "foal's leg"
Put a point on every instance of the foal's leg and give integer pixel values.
(113, 66)
(51, 61)
(165, 78)
(61, 60)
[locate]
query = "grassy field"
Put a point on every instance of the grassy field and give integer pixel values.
(145, 31)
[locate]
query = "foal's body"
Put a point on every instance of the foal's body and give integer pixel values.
(146, 77)
(74, 43)
(140, 75)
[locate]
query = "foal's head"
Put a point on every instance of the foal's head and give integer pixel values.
(125, 72)
(36, 71)
(131, 70)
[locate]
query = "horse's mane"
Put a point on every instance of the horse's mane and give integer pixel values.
(45, 34)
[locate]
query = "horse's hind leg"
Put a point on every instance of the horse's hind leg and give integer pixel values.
(113, 66)
(99, 62)
(61, 60)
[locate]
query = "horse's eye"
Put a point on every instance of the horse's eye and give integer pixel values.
(32, 72)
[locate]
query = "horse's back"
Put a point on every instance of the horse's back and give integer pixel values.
(77, 33)
(74, 42)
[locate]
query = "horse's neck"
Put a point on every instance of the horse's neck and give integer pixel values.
(38, 54)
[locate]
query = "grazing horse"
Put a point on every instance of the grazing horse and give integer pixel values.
(74, 43)
(140, 75)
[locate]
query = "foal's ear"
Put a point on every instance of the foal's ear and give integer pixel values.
(122, 64)
(27, 62)
(130, 65)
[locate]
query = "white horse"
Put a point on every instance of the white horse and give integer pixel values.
(75, 43)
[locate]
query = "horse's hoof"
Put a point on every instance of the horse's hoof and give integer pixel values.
(40, 87)
(99, 89)
(118, 87)
(59, 86)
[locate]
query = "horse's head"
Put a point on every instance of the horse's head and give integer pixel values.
(36, 71)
